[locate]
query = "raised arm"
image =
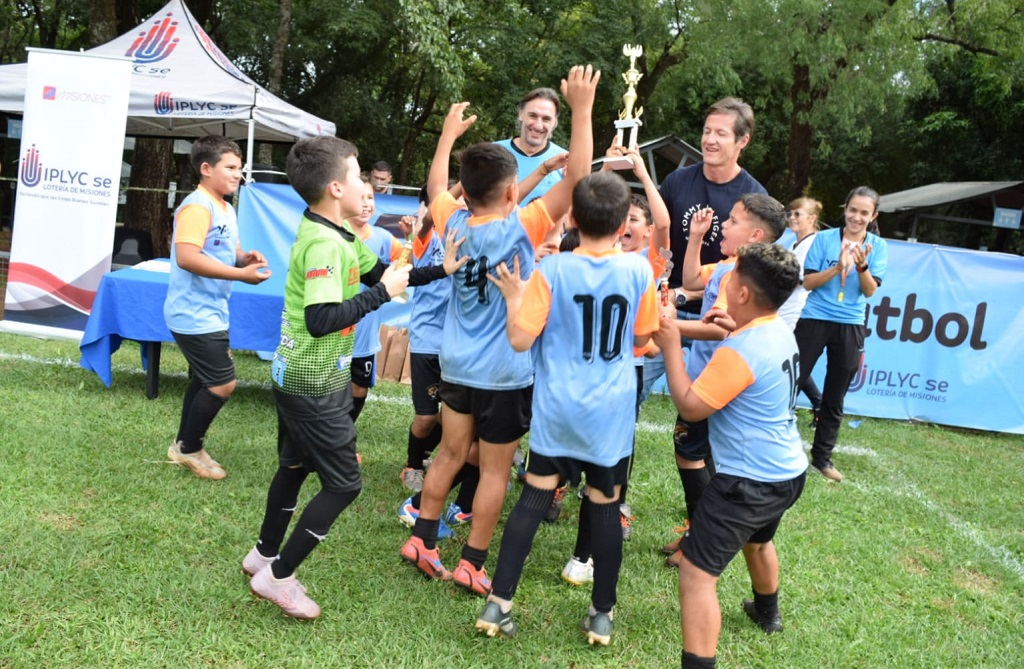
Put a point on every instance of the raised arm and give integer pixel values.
(454, 127)
(659, 212)
(700, 223)
(578, 90)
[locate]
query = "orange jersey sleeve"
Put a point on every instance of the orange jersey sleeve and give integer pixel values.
(419, 246)
(533, 314)
(441, 209)
(721, 302)
(726, 376)
(706, 271)
(647, 313)
(192, 224)
(396, 248)
(536, 220)
(658, 264)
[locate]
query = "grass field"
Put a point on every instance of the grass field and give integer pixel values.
(110, 557)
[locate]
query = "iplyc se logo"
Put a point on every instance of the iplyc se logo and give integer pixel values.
(31, 169)
(163, 103)
(155, 45)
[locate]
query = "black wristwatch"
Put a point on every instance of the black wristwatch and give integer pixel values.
(680, 301)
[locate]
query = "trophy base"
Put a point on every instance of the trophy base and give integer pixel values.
(618, 162)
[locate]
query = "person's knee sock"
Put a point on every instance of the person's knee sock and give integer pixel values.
(421, 447)
(312, 528)
(520, 528)
(282, 497)
(582, 550)
(190, 394)
(607, 546)
(201, 413)
(622, 493)
(357, 408)
(470, 479)
(694, 482)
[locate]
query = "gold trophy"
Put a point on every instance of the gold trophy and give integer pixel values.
(628, 118)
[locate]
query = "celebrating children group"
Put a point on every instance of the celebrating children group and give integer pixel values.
(545, 304)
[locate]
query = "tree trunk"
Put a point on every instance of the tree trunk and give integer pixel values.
(800, 135)
(147, 210)
(284, 22)
(102, 21)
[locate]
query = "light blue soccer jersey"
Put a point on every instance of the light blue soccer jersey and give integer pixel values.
(527, 165)
(823, 303)
(198, 304)
(368, 329)
(584, 397)
(475, 350)
(702, 349)
(751, 381)
(429, 302)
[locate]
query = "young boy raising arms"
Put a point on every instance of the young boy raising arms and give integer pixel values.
(311, 370)
(753, 218)
(747, 394)
(485, 384)
(585, 311)
(206, 257)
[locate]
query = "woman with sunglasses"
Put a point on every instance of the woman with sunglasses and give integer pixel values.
(802, 216)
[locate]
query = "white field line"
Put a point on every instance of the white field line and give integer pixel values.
(999, 553)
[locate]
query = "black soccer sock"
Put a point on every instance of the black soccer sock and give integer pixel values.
(607, 546)
(190, 394)
(582, 550)
(766, 605)
(517, 540)
(470, 475)
(282, 497)
(416, 500)
(694, 482)
(426, 530)
(204, 409)
(420, 448)
(357, 408)
(312, 528)
(622, 493)
(474, 556)
(691, 661)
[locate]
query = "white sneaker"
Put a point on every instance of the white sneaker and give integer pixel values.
(287, 593)
(578, 573)
(254, 561)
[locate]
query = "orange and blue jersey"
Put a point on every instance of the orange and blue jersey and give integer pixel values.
(751, 382)
(585, 310)
(384, 245)
(715, 276)
(429, 301)
(475, 350)
(199, 304)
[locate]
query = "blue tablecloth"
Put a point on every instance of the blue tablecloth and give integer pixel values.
(130, 304)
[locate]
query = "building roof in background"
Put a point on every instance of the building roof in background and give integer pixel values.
(938, 194)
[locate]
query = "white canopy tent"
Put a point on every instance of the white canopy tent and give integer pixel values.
(183, 86)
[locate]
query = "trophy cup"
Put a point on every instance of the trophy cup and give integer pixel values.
(628, 118)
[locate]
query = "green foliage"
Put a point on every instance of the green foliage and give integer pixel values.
(893, 94)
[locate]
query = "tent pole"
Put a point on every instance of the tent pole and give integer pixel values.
(249, 150)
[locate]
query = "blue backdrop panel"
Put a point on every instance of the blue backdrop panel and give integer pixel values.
(944, 340)
(268, 218)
